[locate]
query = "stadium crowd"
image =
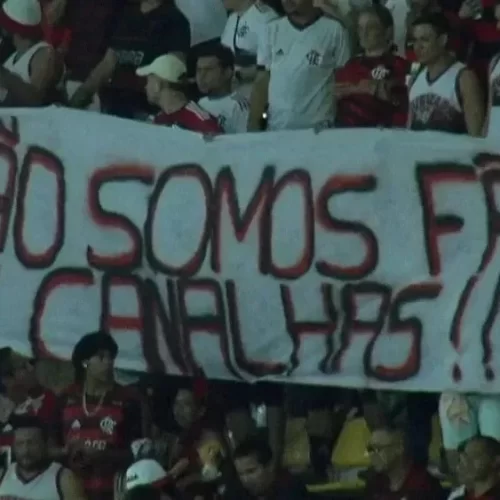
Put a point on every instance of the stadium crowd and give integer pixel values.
(165, 437)
(232, 66)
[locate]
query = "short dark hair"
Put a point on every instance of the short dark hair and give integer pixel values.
(437, 20)
(89, 345)
(382, 13)
(491, 445)
(6, 368)
(223, 54)
(256, 447)
(146, 492)
(29, 422)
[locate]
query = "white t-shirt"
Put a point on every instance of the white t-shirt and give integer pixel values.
(207, 18)
(301, 62)
(243, 31)
(231, 111)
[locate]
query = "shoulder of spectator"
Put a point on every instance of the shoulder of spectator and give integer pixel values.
(2, 473)
(468, 80)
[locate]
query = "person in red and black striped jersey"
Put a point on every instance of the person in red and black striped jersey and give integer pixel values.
(99, 418)
(371, 87)
(22, 395)
(479, 469)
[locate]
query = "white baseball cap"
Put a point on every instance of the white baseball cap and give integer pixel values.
(22, 17)
(145, 472)
(167, 67)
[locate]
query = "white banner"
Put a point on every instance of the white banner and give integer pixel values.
(357, 258)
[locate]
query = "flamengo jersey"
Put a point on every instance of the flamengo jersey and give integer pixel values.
(45, 486)
(99, 430)
(243, 32)
(435, 105)
(301, 61)
(231, 111)
(493, 128)
(20, 66)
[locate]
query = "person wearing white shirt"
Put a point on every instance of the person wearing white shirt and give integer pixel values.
(244, 29)
(297, 61)
(214, 75)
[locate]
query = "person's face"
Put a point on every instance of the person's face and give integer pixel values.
(474, 464)
(372, 34)
(186, 409)
(297, 7)
(211, 78)
(384, 450)
(427, 44)
(254, 476)
(23, 373)
(153, 89)
(30, 448)
(100, 366)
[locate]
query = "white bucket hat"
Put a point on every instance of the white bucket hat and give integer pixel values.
(22, 17)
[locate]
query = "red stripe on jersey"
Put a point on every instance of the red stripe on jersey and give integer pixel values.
(190, 117)
(365, 110)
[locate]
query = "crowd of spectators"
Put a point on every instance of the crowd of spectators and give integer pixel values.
(232, 66)
(192, 439)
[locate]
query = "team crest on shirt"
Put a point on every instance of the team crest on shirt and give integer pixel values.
(431, 111)
(380, 72)
(313, 58)
(108, 426)
(243, 30)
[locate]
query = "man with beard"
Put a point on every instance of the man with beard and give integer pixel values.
(100, 418)
(33, 476)
(22, 395)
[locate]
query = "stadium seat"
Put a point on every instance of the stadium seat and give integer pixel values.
(350, 450)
